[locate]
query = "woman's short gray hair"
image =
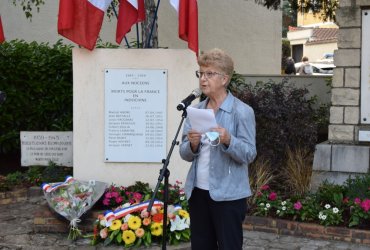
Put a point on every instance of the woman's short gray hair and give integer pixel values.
(219, 59)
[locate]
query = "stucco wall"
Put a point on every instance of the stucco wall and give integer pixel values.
(249, 32)
(316, 51)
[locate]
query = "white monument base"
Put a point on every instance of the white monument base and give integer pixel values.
(88, 111)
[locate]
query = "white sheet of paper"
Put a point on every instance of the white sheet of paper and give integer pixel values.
(201, 120)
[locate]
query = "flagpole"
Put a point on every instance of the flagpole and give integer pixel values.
(154, 19)
(115, 13)
(137, 35)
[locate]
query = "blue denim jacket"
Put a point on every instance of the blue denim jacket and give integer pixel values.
(228, 176)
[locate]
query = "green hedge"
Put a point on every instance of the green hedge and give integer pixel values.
(37, 79)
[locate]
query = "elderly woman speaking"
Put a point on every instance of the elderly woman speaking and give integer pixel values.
(217, 183)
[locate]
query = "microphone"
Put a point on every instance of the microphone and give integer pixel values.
(187, 101)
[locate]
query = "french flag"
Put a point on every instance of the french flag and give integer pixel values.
(80, 20)
(2, 36)
(130, 13)
(187, 11)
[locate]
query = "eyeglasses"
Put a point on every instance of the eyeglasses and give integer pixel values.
(207, 74)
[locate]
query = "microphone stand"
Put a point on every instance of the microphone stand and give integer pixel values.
(164, 172)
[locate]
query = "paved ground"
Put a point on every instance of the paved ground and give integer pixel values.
(16, 222)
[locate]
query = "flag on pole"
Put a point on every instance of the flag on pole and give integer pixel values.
(80, 20)
(2, 37)
(130, 12)
(187, 11)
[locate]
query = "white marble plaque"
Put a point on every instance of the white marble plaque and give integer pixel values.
(135, 115)
(365, 68)
(41, 147)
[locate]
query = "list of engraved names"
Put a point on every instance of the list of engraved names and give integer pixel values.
(135, 115)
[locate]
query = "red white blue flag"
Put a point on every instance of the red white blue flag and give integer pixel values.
(130, 13)
(80, 20)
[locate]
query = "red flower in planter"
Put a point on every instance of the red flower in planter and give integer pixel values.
(272, 196)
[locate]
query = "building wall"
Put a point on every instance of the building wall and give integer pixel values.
(250, 33)
(316, 51)
(309, 19)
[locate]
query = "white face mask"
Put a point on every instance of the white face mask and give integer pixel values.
(214, 138)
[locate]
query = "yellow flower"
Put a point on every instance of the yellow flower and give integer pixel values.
(156, 229)
(183, 213)
(134, 222)
(128, 237)
(116, 224)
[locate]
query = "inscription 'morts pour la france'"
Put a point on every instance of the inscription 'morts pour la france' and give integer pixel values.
(135, 115)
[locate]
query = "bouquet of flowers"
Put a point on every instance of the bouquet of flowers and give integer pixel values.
(127, 221)
(132, 225)
(72, 198)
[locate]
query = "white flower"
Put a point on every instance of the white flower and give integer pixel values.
(283, 208)
(262, 204)
(127, 217)
(103, 223)
(320, 216)
(335, 210)
(327, 206)
(278, 211)
(187, 221)
(323, 217)
(182, 198)
(283, 203)
(268, 205)
(178, 224)
(265, 208)
(127, 204)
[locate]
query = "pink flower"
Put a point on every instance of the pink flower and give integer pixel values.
(272, 196)
(108, 195)
(137, 197)
(357, 201)
(104, 233)
(114, 194)
(265, 187)
(365, 205)
(298, 205)
(139, 232)
(106, 202)
(119, 199)
(144, 214)
(124, 226)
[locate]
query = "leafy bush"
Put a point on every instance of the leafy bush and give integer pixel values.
(284, 119)
(34, 176)
(37, 79)
(330, 192)
(357, 187)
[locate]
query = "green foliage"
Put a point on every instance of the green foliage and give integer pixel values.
(35, 176)
(37, 79)
(284, 119)
(14, 179)
(285, 52)
(330, 193)
(358, 187)
(54, 173)
(28, 5)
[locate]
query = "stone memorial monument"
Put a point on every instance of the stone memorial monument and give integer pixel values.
(348, 147)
